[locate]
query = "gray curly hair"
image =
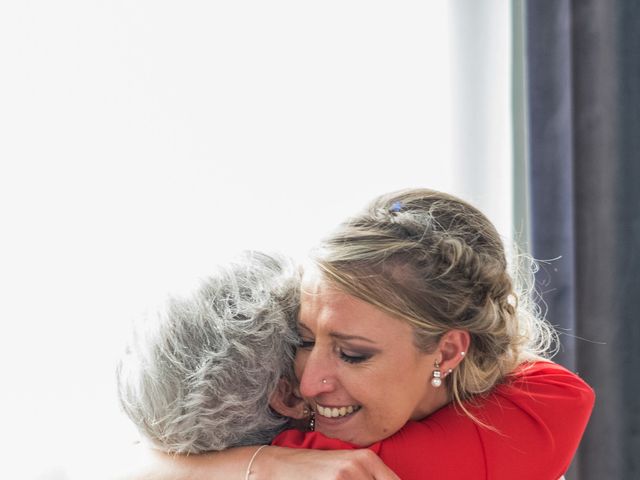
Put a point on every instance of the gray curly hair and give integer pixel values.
(198, 374)
(438, 263)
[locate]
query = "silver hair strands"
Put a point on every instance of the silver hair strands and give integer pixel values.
(199, 372)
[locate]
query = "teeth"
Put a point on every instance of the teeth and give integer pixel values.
(335, 412)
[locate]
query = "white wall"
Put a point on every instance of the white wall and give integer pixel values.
(143, 140)
(482, 117)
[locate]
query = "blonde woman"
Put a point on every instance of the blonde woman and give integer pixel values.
(417, 343)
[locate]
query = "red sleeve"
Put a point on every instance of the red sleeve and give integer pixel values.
(315, 440)
(538, 417)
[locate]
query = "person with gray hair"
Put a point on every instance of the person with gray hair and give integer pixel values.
(200, 372)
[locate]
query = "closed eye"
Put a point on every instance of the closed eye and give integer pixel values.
(306, 344)
(353, 358)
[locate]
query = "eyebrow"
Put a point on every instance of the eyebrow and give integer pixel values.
(339, 336)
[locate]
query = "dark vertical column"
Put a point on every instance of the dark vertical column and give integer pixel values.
(550, 149)
(597, 165)
(584, 145)
(627, 298)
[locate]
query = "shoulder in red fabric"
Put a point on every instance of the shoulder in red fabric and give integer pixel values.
(536, 419)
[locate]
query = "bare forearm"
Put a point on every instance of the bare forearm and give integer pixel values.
(271, 462)
(154, 465)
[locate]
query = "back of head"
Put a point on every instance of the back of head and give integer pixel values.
(198, 373)
(438, 263)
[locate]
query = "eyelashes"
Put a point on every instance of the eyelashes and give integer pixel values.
(354, 358)
(344, 356)
(306, 344)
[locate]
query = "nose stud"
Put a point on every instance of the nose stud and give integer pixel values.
(324, 380)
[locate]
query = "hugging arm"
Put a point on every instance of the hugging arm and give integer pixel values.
(271, 462)
(536, 421)
(539, 418)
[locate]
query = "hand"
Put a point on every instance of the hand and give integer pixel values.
(287, 463)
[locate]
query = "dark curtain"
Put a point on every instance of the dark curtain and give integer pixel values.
(583, 141)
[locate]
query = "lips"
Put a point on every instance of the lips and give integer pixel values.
(336, 412)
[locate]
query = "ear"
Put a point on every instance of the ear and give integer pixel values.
(452, 347)
(286, 402)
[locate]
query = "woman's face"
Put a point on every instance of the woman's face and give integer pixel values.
(359, 368)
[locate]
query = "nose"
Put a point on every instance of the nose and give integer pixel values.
(318, 375)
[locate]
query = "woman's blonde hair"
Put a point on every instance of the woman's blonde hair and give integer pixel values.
(438, 263)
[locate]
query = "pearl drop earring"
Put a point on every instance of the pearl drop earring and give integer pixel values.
(436, 379)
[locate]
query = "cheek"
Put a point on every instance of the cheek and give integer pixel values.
(385, 416)
(403, 390)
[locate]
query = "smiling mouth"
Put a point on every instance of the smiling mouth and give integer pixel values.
(336, 412)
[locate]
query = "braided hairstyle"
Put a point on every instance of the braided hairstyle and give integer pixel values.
(438, 263)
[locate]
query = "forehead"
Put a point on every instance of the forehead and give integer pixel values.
(314, 283)
(325, 307)
(319, 297)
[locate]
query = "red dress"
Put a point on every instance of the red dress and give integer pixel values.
(539, 415)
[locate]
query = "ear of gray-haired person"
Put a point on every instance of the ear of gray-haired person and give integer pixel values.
(287, 401)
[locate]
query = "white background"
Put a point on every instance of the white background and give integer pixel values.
(141, 141)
